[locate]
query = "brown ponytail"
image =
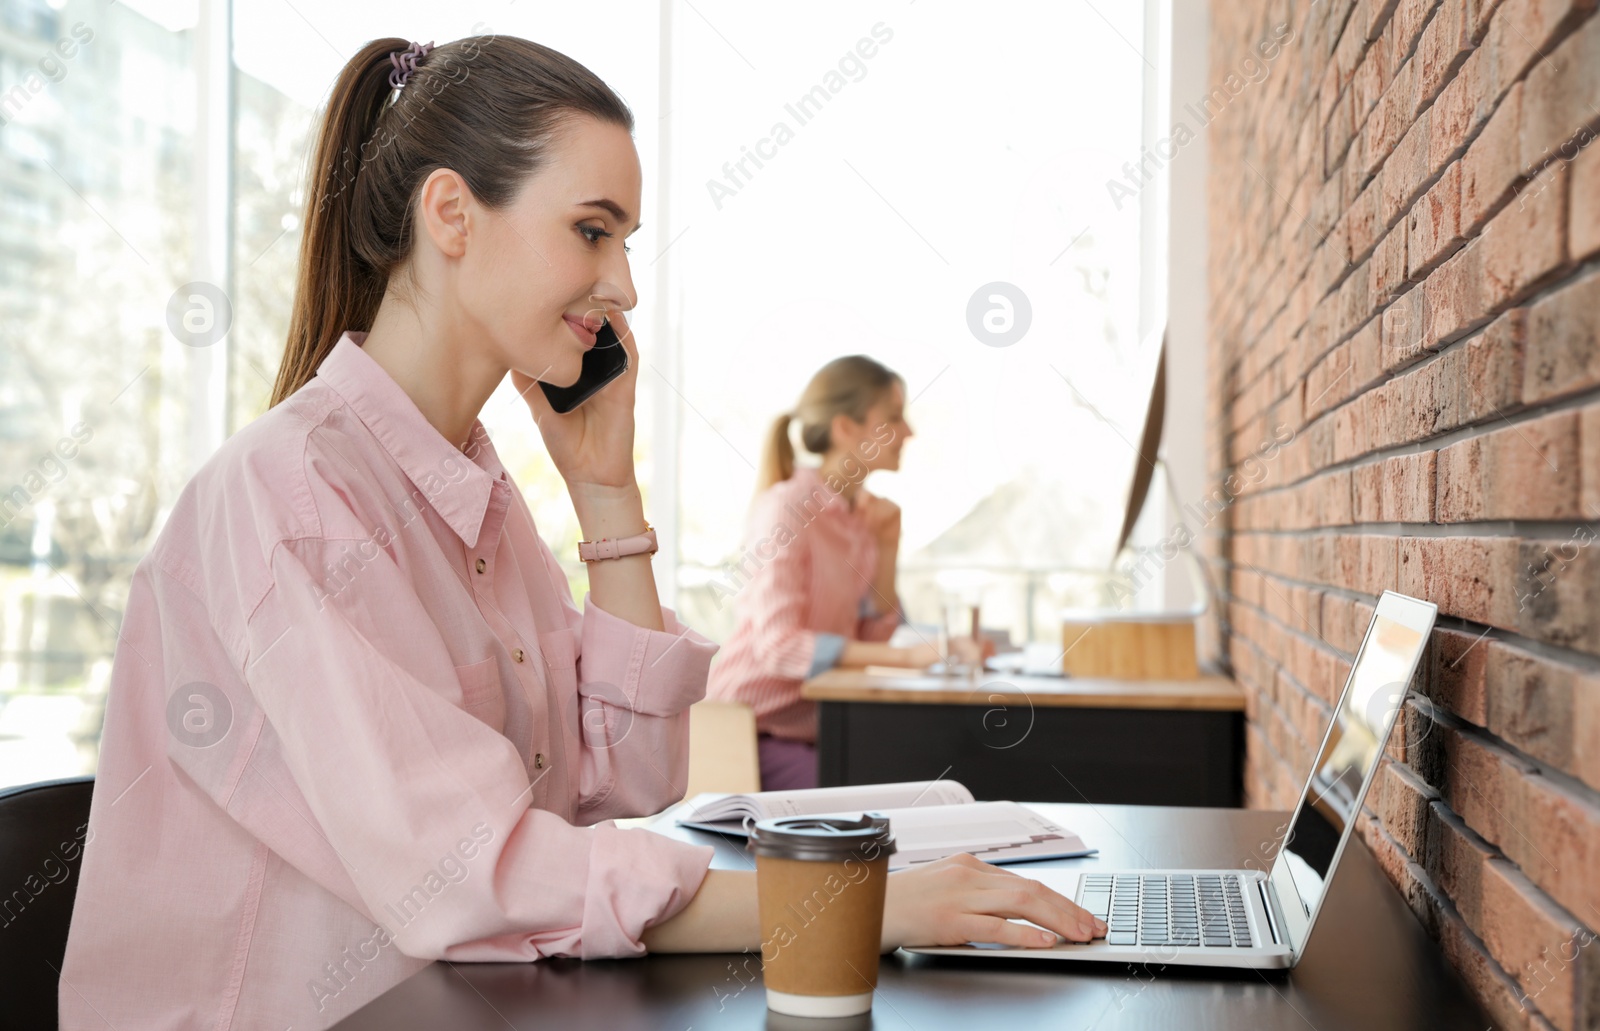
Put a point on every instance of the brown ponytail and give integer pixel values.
(845, 386)
(487, 107)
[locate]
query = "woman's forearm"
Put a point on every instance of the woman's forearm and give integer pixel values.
(722, 917)
(624, 587)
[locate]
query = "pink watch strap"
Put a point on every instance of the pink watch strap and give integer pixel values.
(618, 547)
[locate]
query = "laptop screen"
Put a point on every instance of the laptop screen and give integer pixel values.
(1348, 757)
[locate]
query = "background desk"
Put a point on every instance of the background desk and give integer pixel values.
(1056, 739)
(1370, 966)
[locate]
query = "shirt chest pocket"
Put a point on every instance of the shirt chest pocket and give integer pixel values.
(482, 694)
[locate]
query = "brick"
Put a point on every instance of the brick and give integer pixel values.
(1404, 330)
(1383, 414)
(1408, 488)
(1527, 240)
(1329, 382)
(1366, 486)
(1410, 17)
(1334, 505)
(1583, 221)
(1457, 114)
(1492, 164)
(1435, 224)
(1362, 226)
(1378, 13)
(1366, 354)
(1523, 32)
(1337, 133)
(1453, 297)
(1446, 42)
(1459, 668)
(1406, 172)
(1389, 121)
(1355, 300)
(1367, 85)
(1563, 341)
(1470, 577)
(1525, 471)
(1401, 802)
(1556, 590)
(1349, 432)
(1491, 378)
(1483, 10)
(1559, 96)
(1543, 707)
(1422, 400)
(1388, 266)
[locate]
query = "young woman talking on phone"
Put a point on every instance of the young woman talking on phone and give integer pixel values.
(818, 568)
(356, 722)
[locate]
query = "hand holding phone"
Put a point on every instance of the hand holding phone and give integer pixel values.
(588, 430)
(602, 363)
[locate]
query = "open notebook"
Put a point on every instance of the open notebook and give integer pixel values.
(930, 819)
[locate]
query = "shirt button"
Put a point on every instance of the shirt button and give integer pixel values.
(538, 760)
(516, 654)
(482, 565)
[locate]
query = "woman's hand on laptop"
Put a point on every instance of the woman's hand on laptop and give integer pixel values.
(963, 899)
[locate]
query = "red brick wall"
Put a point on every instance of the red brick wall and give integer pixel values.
(1405, 277)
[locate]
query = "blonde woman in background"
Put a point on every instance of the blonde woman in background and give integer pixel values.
(817, 572)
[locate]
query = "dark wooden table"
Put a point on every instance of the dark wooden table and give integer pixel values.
(1052, 739)
(1369, 965)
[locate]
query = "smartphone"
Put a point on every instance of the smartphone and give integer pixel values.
(602, 363)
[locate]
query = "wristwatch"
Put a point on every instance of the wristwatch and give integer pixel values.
(618, 547)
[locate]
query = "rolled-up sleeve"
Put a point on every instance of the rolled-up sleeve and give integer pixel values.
(635, 686)
(426, 807)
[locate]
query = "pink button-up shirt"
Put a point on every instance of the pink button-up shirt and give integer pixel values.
(356, 724)
(806, 570)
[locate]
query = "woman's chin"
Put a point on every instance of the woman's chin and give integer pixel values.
(563, 372)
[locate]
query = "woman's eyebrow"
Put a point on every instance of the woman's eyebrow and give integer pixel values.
(614, 209)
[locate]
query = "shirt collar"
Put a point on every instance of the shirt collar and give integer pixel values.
(457, 484)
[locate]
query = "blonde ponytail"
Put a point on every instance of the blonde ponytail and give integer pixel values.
(777, 457)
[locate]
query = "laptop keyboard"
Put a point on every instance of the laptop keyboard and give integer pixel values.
(1170, 909)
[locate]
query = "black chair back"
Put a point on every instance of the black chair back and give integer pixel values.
(42, 828)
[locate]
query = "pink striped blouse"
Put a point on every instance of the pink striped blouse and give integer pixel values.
(356, 724)
(802, 586)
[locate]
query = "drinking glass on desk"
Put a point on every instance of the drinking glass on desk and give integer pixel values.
(959, 651)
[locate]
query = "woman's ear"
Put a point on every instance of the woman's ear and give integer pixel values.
(843, 431)
(443, 202)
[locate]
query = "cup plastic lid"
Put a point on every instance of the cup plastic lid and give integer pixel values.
(823, 837)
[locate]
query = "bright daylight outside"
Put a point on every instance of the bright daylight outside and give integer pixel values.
(901, 180)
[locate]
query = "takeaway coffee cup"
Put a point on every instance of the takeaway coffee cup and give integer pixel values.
(820, 882)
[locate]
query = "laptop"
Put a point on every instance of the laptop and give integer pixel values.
(1254, 918)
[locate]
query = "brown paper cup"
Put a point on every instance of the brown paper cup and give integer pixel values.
(822, 923)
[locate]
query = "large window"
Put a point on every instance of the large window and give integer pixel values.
(819, 180)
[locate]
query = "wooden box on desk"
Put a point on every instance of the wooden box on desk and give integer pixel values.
(1129, 646)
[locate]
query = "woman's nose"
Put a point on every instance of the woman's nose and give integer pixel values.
(615, 288)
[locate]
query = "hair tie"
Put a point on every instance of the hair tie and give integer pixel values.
(405, 62)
